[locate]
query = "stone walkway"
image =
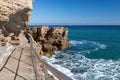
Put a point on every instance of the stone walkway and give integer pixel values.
(18, 65)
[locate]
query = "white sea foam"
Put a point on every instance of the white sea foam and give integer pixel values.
(87, 46)
(84, 42)
(74, 42)
(78, 67)
(58, 67)
(82, 68)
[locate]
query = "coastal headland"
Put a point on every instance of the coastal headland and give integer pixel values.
(50, 39)
(47, 41)
(16, 62)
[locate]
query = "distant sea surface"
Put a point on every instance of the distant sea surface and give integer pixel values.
(94, 53)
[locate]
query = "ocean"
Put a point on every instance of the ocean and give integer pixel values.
(94, 53)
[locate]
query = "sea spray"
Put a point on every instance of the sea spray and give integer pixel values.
(78, 67)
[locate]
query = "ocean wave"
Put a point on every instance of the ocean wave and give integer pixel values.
(84, 42)
(78, 67)
(87, 46)
(64, 70)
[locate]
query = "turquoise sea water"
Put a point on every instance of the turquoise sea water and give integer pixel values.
(106, 35)
(94, 53)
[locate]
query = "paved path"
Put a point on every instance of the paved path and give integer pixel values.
(18, 65)
(22, 64)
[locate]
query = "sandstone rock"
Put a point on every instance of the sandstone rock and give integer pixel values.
(15, 42)
(50, 77)
(39, 49)
(3, 41)
(51, 40)
(33, 32)
(14, 38)
(57, 33)
(14, 15)
(48, 49)
(3, 44)
(41, 33)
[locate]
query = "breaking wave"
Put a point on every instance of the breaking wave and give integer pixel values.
(88, 45)
(78, 67)
(75, 65)
(85, 46)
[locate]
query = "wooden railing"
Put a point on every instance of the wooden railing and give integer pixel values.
(36, 59)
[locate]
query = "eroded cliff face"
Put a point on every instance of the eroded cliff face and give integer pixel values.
(50, 39)
(14, 15)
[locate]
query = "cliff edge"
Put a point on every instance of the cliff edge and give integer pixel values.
(14, 15)
(50, 39)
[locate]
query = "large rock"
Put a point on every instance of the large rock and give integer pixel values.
(14, 15)
(41, 33)
(33, 32)
(52, 39)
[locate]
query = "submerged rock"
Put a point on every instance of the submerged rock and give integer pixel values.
(51, 39)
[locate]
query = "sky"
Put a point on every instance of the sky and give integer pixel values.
(76, 12)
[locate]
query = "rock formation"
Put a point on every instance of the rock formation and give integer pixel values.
(14, 15)
(51, 40)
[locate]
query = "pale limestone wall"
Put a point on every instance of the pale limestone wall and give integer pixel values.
(15, 15)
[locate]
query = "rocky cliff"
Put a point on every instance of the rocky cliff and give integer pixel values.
(14, 15)
(50, 39)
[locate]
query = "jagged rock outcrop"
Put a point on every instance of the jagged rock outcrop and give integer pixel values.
(14, 15)
(51, 40)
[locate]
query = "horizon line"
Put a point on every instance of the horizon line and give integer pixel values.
(75, 25)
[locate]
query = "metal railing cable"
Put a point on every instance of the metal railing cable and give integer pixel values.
(35, 56)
